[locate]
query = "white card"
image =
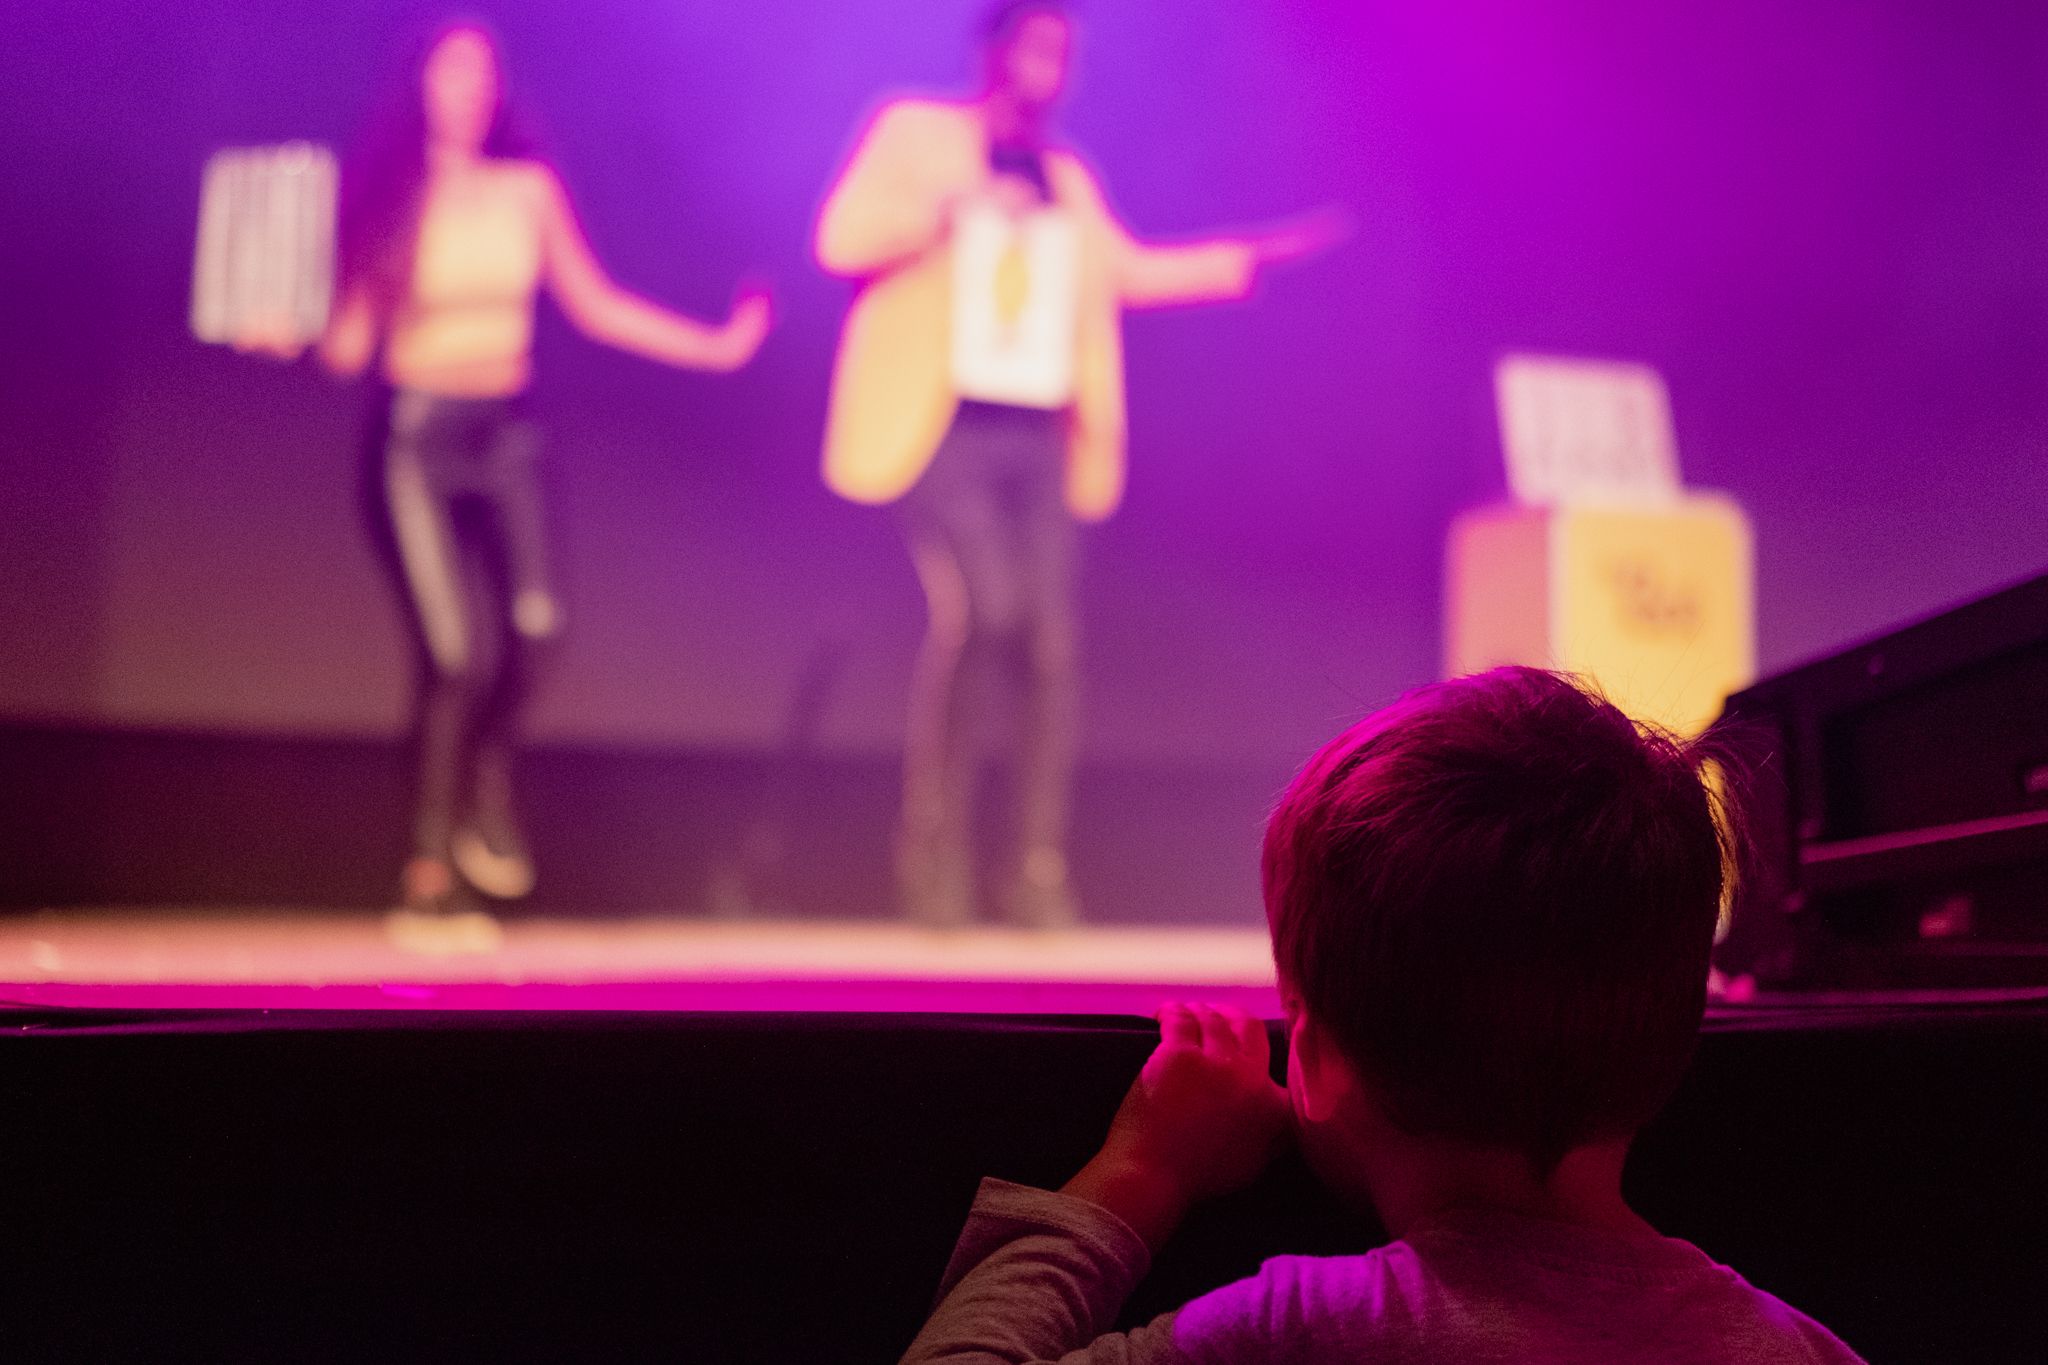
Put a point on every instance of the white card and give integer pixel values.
(1016, 301)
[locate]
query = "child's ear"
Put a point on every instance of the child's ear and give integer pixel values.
(1323, 1079)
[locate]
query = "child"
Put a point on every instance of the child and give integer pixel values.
(1491, 906)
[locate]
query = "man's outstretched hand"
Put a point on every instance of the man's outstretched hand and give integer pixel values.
(1202, 1119)
(1304, 236)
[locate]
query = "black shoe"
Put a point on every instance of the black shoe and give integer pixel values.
(937, 891)
(491, 857)
(1040, 897)
(439, 916)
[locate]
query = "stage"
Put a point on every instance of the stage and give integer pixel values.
(255, 958)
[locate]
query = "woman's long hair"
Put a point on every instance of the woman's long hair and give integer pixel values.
(383, 184)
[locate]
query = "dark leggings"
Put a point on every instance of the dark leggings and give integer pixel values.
(456, 510)
(995, 547)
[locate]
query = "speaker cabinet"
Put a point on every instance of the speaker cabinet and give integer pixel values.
(1897, 794)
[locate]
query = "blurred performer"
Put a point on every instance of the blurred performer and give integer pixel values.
(449, 228)
(980, 381)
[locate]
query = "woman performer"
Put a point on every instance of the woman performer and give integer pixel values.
(450, 225)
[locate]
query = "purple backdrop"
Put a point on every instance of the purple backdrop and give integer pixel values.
(1824, 222)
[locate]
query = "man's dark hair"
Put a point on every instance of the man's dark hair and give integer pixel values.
(1002, 17)
(1498, 896)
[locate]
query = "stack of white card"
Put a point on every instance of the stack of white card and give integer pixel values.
(264, 266)
(1580, 432)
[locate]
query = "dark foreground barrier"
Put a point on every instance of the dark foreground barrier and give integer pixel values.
(702, 1188)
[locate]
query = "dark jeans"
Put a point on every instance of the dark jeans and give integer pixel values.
(995, 548)
(456, 509)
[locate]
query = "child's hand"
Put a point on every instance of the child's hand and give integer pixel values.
(1202, 1119)
(1205, 1108)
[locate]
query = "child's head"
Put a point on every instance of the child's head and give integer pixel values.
(1496, 898)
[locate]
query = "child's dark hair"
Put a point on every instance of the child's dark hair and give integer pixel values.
(1498, 896)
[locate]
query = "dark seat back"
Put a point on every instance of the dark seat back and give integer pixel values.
(786, 1188)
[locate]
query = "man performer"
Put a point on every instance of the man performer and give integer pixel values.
(979, 382)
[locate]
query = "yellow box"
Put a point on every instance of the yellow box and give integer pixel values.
(1655, 604)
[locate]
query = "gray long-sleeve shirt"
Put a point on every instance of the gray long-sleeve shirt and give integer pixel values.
(1041, 1277)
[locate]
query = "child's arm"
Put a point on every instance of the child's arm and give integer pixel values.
(1038, 1276)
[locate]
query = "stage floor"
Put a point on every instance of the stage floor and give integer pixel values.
(303, 959)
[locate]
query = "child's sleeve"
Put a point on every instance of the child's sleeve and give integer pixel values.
(1038, 1276)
